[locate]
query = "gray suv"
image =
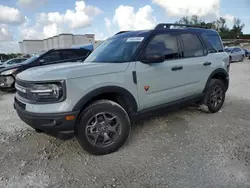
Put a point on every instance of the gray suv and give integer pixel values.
(129, 74)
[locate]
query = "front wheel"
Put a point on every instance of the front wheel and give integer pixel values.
(242, 58)
(215, 95)
(103, 127)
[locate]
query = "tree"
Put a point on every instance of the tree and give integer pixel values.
(219, 25)
(238, 26)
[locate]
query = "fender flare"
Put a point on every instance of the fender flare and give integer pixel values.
(103, 90)
(219, 71)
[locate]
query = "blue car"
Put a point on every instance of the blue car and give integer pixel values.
(247, 53)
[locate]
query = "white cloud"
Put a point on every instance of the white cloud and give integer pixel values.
(51, 30)
(229, 18)
(108, 24)
(5, 34)
(100, 36)
(81, 17)
(53, 23)
(9, 15)
(127, 19)
(208, 9)
(31, 3)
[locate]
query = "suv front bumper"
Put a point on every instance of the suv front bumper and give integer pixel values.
(52, 124)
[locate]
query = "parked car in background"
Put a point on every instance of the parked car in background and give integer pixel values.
(129, 74)
(235, 54)
(12, 62)
(8, 73)
(247, 53)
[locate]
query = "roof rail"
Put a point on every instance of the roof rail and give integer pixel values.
(168, 25)
(121, 32)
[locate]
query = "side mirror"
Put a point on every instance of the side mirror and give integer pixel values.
(153, 58)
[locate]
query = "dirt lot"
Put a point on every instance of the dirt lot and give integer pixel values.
(186, 148)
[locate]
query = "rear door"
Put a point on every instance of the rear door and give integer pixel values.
(196, 62)
(236, 54)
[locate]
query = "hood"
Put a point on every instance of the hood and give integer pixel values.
(70, 70)
(8, 67)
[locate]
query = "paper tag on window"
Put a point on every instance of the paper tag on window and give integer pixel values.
(135, 39)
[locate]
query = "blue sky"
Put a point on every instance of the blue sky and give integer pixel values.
(36, 19)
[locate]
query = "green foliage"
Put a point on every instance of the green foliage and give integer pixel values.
(220, 25)
(4, 57)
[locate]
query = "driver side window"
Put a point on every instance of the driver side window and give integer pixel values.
(165, 44)
(51, 57)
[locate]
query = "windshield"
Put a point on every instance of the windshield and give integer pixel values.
(115, 50)
(8, 62)
(228, 49)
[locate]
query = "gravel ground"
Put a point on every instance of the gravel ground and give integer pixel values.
(186, 148)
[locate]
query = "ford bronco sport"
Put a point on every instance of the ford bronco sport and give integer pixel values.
(130, 73)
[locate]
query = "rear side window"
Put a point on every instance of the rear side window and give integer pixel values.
(83, 53)
(213, 43)
(237, 50)
(165, 44)
(68, 54)
(192, 46)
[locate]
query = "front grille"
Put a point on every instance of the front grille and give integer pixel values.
(20, 86)
(22, 105)
(21, 94)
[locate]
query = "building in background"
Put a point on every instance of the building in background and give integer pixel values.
(58, 41)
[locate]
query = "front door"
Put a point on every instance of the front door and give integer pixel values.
(176, 78)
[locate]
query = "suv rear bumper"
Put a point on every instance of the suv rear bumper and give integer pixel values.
(52, 124)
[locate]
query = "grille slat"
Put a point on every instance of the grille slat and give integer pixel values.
(21, 94)
(25, 86)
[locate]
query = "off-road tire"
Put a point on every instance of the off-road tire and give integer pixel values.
(214, 86)
(99, 107)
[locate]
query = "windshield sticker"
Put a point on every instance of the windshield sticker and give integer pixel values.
(135, 39)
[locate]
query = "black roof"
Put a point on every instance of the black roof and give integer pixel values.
(167, 27)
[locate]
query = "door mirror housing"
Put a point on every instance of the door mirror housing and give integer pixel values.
(153, 58)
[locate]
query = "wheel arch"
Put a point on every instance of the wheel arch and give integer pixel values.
(115, 93)
(221, 74)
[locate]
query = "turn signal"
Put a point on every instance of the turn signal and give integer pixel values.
(70, 118)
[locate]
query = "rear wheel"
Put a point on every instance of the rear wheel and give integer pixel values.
(215, 95)
(103, 127)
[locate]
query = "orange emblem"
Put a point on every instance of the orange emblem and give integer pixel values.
(146, 88)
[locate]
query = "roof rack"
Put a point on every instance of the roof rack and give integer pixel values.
(168, 25)
(121, 32)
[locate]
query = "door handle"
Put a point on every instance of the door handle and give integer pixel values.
(177, 68)
(207, 63)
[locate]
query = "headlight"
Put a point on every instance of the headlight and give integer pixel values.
(47, 92)
(8, 72)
